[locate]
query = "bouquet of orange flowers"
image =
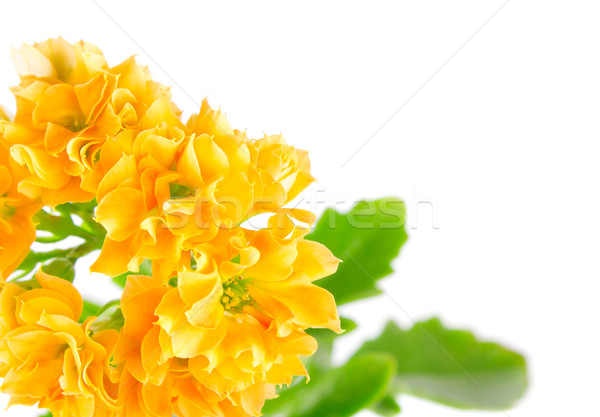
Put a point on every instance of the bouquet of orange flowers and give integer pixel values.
(214, 315)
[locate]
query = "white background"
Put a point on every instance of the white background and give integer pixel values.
(502, 141)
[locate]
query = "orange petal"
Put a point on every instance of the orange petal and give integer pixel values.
(114, 257)
(311, 305)
(95, 94)
(121, 212)
(315, 260)
(62, 287)
(59, 104)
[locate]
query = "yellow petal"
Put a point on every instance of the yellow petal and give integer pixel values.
(203, 292)
(315, 260)
(300, 296)
(121, 212)
(162, 143)
(131, 77)
(95, 94)
(156, 370)
(62, 287)
(253, 398)
(276, 258)
(123, 173)
(162, 110)
(189, 341)
(8, 304)
(28, 60)
(23, 344)
(60, 53)
(284, 372)
(59, 104)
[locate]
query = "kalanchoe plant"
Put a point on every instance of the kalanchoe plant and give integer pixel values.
(216, 317)
(450, 367)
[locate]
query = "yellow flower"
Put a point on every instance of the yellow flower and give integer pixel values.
(176, 186)
(17, 230)
(194, 399)
(46, 356)
(223, 318)
(239, 316)
(283, 171)
(69, 102)
(152, 383)
(138, 350)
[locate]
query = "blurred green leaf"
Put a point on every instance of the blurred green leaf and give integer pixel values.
(89, 309)
(145, 269)
(387, 407)
(33, 259)
(110, 316)
(61, 267)
(121, 280)
(321, 360)
(451, 366)
(341, 392)
(366, 239)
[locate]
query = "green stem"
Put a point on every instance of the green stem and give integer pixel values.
(61, 226)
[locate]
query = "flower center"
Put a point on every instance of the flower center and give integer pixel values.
(235, 294)
(178, 191)
(6, 211)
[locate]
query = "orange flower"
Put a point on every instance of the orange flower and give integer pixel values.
(283, 171)
(194, 399)
(46, 356)
(239, 316)
(176, 186)
(17, 230)
(68, 102)
(153, 383)
(223, 318)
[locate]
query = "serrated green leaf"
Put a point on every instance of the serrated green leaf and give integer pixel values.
(341, 392)
(452, 367)
(366, 239)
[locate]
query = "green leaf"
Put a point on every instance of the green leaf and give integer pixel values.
(387, 407)
(145, 269)
(89, 309)
(60, 267)
(321, 360)
(366, 239)
(33, 258)
(341, 392)
(452, 367)
(110, 316)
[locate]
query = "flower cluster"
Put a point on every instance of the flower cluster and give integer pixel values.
(221, 320)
